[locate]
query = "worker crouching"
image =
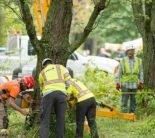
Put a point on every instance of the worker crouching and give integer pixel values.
(52, 83)
(8, 93)
(85, 107)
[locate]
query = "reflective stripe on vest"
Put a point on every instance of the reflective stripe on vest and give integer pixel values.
(128, 70)
(59, 72)
(59, 80)
(130, 75)
(80, 90)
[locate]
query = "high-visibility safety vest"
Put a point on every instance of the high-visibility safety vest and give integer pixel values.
(53, 78)
(128, 74)
(79, 90)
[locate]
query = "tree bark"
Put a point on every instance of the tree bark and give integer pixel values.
(148, 60)
(145, 21)
(54, 42)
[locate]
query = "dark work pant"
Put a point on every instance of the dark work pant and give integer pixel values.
(125, 97)
(4, 122)
(86, 108)
(53, 101)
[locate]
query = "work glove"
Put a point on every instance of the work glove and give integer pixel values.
(140, 86)
(4, 132)
(72, 102)
(24, 112)
(118, 86)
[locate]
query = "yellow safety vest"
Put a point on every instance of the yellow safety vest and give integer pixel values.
(129, 75)
(52, 78)
(79, 90)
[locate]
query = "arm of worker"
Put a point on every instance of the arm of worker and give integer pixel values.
(15, 90)
(71, 96)
(65, 73)
(11, 102)
(66, 76)
(70, 92)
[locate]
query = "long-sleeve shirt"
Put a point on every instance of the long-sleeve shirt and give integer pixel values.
(11, 87)
(130, 85)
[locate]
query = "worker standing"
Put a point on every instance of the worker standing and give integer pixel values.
(52, 84)
(130, 79)
(85, 107)
(8, 93)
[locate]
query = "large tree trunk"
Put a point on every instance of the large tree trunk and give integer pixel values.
(54, 42)
(55, 38)
(144, 13)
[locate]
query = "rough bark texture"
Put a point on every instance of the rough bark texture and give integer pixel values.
(54, 43)
(144, 13)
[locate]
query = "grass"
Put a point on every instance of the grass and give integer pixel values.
(107, 128)
(115, 128)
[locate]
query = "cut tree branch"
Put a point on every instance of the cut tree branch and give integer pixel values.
(100, 6)
(139, 15)
(28, 20)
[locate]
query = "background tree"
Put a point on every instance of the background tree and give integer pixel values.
(2, 25)
(55, 37)
(144, 14)
(10, 20)
(116, 24)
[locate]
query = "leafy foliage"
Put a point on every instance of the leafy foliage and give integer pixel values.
(145, 101)
(102, 85)
(2, 25)
(116, 23)
(9, 21)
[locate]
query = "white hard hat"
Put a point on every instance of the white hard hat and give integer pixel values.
(130, 47)
(46, 59)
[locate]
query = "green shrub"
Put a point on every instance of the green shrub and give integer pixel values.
(145, 101)
(102, 85)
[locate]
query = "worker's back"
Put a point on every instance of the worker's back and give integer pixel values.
(79, 90)
(53, 78)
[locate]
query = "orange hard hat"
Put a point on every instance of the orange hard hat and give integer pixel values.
(28, 81)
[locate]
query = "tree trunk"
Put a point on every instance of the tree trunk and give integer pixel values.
(149, 44)
(144, 14)
(148, 60)
(54, 43)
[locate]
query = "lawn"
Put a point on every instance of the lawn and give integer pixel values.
(107, 128)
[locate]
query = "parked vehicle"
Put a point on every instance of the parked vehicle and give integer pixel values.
(25, 59)
(77, 63)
